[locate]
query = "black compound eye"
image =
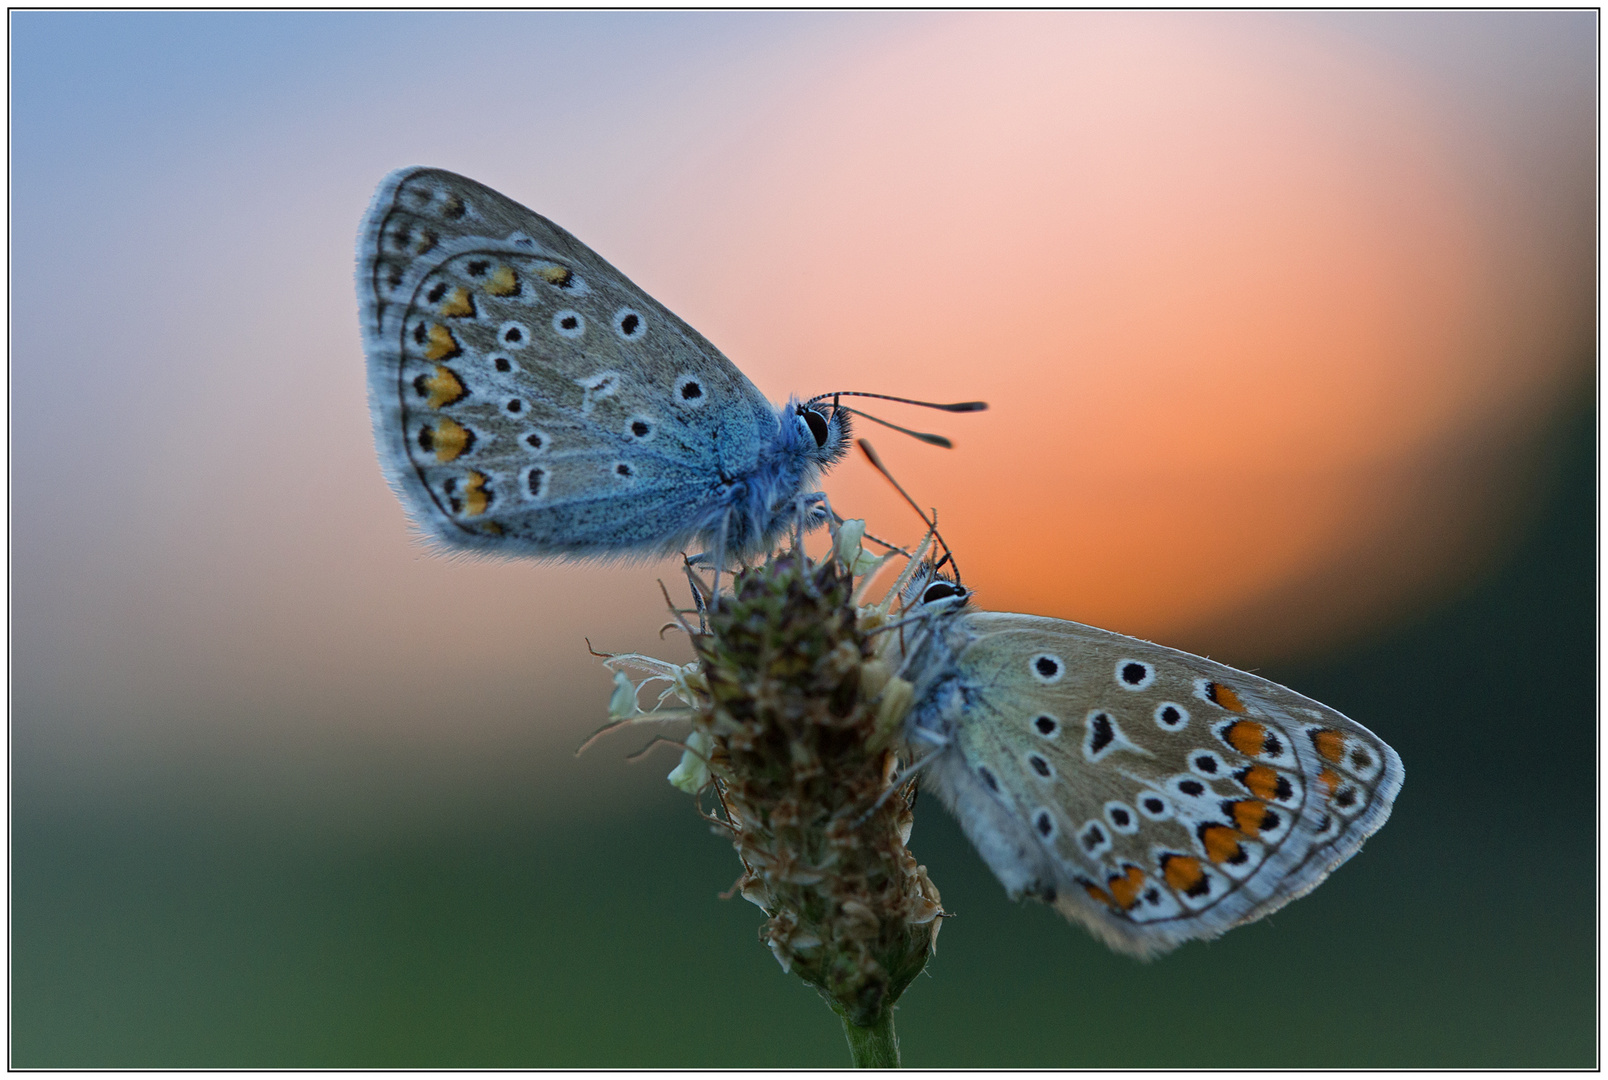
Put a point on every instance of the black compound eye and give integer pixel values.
(938, 590)
(817, 425)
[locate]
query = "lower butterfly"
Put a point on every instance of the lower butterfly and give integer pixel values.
(528, 399)
(1154, 796)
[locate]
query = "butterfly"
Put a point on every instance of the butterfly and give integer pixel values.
(528, 399)
(1154, 796)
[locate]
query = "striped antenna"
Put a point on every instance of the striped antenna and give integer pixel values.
(931, 523)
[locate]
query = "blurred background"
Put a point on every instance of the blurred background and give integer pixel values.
(1287, 323)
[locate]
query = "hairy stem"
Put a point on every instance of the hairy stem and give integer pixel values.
(876, 1046)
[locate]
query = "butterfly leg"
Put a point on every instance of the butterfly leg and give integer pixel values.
(697, 587)
(900, 779)
(719, 558)
(798, 527)
(814, 510)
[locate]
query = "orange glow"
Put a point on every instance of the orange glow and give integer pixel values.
(1222, 283)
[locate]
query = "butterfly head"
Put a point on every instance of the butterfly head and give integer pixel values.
(823, 431)
(935, 589)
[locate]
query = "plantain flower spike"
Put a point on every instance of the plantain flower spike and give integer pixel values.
(795, 718)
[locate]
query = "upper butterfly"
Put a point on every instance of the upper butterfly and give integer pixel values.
(1154, 796)
(528, 399)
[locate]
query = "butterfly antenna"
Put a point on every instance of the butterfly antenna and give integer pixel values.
(931, 523)
(838, 519)
(959, 406)
(926, 437)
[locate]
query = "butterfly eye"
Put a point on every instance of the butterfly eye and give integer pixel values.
(817, 425)
(938, 590)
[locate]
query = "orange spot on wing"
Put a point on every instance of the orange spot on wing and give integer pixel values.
(444, 388)
(1250, 816)
(449, 439)
(1330, 780)
(1262, 782)
(1222, 843)
(491, 528)
(1219, 694)
(1125, 887)
(1183, 872)
(555, 275)
(503, 282)
(1097, 894)
(458, 305)
(1246, 736)
(475, 496)
(1330, 744)
(440, 344)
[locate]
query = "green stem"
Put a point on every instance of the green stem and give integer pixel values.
(874, 1047)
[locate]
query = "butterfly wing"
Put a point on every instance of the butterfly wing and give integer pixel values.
(526, 396)
(1153, 795)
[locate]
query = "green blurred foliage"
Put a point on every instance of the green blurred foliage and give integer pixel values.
(172, 934)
